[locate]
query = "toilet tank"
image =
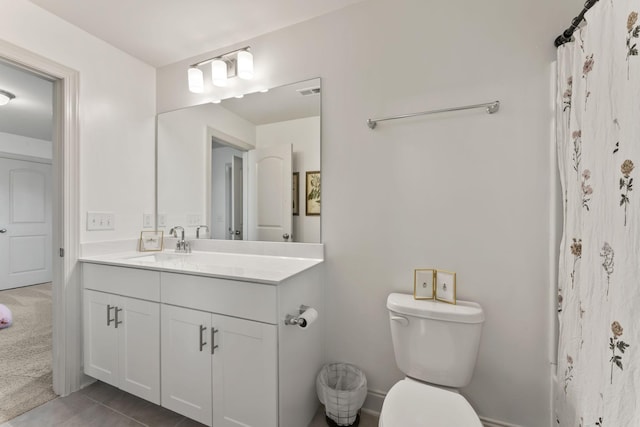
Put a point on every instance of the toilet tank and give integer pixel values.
(433, 341)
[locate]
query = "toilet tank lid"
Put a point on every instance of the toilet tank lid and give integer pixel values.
(461, 312)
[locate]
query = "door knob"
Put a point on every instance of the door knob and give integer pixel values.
(3, 230)
(285, 236)
(237, 232)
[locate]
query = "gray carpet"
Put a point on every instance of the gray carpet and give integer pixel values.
(25, 351)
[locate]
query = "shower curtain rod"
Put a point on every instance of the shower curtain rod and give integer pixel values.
(565, 37)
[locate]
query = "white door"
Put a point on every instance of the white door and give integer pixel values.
(100, 337)
(25, 223)
(245, 371)
(186, 362)
(139, 347)
(236, 198)
(270, 203)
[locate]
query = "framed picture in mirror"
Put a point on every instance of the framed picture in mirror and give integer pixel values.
(312, 193)
(296, 193)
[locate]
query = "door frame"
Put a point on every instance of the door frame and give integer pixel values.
(67, 328)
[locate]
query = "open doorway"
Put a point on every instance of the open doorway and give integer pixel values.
(26, 244)
(64, 246)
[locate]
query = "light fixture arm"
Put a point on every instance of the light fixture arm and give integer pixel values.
(225, 57)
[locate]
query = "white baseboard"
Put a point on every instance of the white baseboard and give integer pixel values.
(373, 402)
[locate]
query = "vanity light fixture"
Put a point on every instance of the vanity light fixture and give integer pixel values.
(219, 72)
(5, 97)
(196, 80)
(231, 64)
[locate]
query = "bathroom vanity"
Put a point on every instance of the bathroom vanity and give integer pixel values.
(203, 334)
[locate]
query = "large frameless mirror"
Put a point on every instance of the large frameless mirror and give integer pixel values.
(243, 169)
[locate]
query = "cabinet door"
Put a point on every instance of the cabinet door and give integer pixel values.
(139, 348)
(186, 362)
(100, 337)
(245, 390)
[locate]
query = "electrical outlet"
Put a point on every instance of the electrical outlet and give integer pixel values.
(147, 221)
(162, 220)
(100, 221)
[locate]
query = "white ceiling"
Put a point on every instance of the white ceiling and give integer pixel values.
(158, 32)
(161, 32)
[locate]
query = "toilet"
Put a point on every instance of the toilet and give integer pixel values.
(436, 346)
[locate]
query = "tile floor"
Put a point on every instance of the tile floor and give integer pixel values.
(105, 406)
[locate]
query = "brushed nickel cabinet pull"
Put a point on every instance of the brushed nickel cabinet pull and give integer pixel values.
(213, 340)
(109, 319)
(202, 341)
(118, 322)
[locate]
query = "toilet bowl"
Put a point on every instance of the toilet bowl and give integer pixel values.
(436, 346)
(410, 403)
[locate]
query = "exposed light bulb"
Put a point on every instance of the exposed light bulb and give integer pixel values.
(245, 65)
(219, 72)
(196, 80)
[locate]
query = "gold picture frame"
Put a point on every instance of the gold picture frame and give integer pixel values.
(151, 241)
(445, 286)
(295, 185)
(423, 283)
(312, 193)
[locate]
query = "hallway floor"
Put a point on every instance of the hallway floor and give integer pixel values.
(103, 405)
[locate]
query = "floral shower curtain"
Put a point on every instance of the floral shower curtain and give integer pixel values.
(598, 142)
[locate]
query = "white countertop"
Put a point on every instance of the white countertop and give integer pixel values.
(266, 269)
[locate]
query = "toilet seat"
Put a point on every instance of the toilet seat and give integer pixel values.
(410, 403)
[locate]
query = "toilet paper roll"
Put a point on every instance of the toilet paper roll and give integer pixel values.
(308, 317)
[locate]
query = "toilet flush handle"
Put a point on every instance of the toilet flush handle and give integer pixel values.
(402, 320)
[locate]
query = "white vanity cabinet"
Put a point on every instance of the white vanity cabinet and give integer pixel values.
(219, 370)
(121, 333)
(214, 348)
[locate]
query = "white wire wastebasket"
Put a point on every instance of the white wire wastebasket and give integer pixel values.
(341, 388)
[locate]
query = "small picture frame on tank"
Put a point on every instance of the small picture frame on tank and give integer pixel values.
(423, 282)
(445, 286)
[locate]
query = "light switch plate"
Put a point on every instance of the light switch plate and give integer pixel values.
(147, 220)
(193, 220)
(162, 220)
(100, 221)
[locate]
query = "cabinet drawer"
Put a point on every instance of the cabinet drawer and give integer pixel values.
(246, 300)
(131, 282)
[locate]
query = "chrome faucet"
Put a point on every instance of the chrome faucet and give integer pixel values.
(198, 230)
(182, 246)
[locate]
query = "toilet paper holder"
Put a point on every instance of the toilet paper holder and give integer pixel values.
(296, 320)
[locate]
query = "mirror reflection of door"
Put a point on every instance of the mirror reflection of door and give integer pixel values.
(269, 196)
(226, 191)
